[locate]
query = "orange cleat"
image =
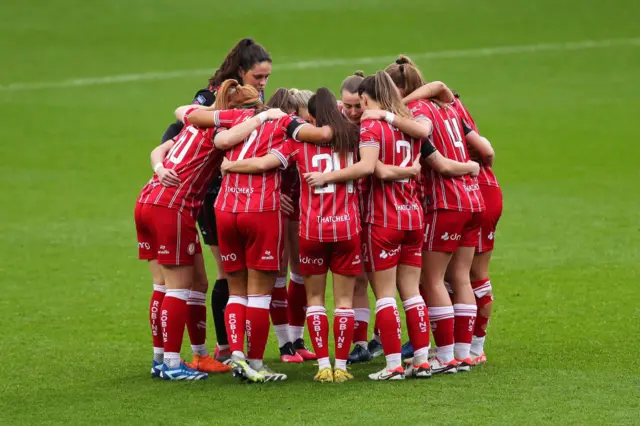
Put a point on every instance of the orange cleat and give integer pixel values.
(207, 364)
(302, 350)
(479, 359)
(464, 364)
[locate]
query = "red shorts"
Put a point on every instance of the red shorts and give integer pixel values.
(166, 234)
(341, 257)
(386, 248)
(446, 230)
(489, 218)
(250, 240)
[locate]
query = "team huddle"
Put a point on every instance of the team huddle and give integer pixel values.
(389, 188)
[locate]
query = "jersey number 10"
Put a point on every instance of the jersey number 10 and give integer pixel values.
(331, 163)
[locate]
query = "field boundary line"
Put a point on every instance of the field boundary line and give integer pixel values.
(327, 63)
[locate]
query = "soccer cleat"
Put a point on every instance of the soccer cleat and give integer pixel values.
(384, 374)
(464, 364)
(407, 350)
(439, 367)
(242, 370)
(156, 369)
(288, 354)
(271, 376)
(375, 348)
(324, 376)
(422, 371)
(341, 376)
(359, 354)
(223, 356)
(181, 373)
(207, 365)
(302, 350)
(479, 359)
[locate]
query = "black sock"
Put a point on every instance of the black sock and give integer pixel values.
(219, 299)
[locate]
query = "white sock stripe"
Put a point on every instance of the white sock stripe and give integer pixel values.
(237, 299)
(197, 295)
(316, 310)
(159, 288)
(279, 303)
(362, 314)
(462, 310)
(296, 278)
(281, 282)
(260, 301)
(178, 294)
(440, 310)
(191, 302)
(344, 312)
(386, 302)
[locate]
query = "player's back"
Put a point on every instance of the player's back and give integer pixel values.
(392, 204)
(330, 212)
(194, 158)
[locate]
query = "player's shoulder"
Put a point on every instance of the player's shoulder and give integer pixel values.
(204, 97)
(370, 126)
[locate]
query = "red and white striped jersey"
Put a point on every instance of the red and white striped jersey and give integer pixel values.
(329, 213)
(392, 204)
(195, 159)
(486, 176)
(254, 192)
(449, 193)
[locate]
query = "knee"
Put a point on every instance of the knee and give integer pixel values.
(201, 284)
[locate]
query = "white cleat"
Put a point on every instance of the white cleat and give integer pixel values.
(384, 374)
(439, 367)
(272, 376)
(422, 371)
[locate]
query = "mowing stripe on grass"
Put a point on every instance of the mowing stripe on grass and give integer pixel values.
(326, 63)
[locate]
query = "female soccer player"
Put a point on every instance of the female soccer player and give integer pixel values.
(451, 225)
(329, 229)
(249, 63)
(165, 222)
(251, 235)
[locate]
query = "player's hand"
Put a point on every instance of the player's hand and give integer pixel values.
(286, 204)
(416, 166)
(475, 168)
(315, 179)
(275, 114)
(373, 114)
(168, 177)
(225, 166)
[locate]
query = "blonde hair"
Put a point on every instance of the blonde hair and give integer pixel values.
(301, 97)
(381, 89)
(405, 74)
(232, 94)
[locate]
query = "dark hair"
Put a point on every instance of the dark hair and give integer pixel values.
(405, 74)
(381, 89)
(243, 56)
(351, 83)
(324, 108)
(282, 99)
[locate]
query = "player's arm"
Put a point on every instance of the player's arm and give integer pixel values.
(480, 144)
(446, 166)
(301, 131)
(389, 172)
(420, 129)
(251, 165)
(364, 167)
(229, 138)
(182, 110)
(435, 89)
(167, 177)
(203, 97)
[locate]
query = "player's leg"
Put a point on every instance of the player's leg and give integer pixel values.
(417, 315)
(436, 254)
(381, 260)
(362, 311)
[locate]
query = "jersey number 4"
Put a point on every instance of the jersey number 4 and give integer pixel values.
(454, 134)
(331, 163)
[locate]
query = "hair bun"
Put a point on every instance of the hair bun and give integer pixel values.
(359, 74)
(403, 60)
(248, 41)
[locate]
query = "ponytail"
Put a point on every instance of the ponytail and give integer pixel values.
(233, 95)
(382, 90)
(244, 55)
(405, 74)
(324, 108)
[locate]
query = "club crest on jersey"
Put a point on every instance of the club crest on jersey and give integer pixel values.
(490, 236)
(191, 249)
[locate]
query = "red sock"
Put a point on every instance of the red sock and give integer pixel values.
(482, 291)
(197, 322)
(235, 315)
(361, 327)
(318, 326)
(257, 325)
(389, 325)
(173, 316)
(154, 314)
(297, 300)
(278, 307)
(442, 325)
(343, 324)
(465, 318)
(417, 317)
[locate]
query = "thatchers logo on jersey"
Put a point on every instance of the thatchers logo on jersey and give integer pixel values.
(471, 188)
(407, 207)
(334, 219)
(453, 237)
(239, 190)
(267, 255)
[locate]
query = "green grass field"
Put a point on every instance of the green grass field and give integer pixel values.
(74, 338)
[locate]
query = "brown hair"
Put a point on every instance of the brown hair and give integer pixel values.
(405, 74)
(283, 100)
(244, 55)
(381, 89)
(351, 83)
(233, 95)
(324, 108)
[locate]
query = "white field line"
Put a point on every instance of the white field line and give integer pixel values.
(327, 63)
